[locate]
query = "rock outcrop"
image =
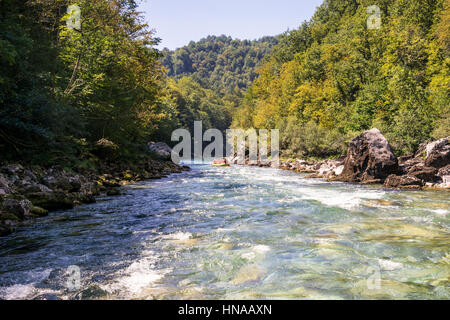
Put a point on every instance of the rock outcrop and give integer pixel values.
(429, 167)
(369, 159)
(27, 193)
(160, 148)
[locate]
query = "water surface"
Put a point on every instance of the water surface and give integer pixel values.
(237, 233)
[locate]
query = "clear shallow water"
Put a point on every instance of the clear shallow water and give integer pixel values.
(237, 233)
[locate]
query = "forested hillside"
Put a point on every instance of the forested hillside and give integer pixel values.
(208, 79)
(62, 89)
(222, 64)
(334, 77)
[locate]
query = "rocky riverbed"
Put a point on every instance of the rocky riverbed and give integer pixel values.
(370, 160)
(29, 192)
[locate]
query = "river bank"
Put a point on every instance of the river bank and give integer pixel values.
(371, 160)
(29, 192)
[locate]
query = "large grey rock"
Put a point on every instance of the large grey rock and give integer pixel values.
(161, 148)
(369, 158)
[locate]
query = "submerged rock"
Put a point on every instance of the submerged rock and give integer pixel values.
(38, 211)
(369, 158)
(91, 293)
(113, 192)
(248, 273)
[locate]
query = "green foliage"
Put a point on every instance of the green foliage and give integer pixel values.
(59, 86)
(222, 64)
(208, 78)
(195, 103)
(311, 140)
(346, 78)
(442, 129)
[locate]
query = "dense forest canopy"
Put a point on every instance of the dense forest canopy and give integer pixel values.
(334, 77)
(208, 78)
(63, 88)
(222, 64)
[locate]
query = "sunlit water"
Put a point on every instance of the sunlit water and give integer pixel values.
(237, 233)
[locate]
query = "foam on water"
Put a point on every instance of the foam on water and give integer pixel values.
(140, 275)
(346, 199)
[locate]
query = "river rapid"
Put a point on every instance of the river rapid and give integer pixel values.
(236, 233)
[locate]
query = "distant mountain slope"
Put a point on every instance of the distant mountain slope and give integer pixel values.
(222, 64)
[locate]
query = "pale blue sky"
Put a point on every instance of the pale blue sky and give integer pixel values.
(179, 21)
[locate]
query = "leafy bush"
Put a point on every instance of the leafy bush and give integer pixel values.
(311, 140)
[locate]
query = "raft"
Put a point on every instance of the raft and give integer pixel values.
(221, 164)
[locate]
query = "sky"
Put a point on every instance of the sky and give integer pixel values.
(177, 22)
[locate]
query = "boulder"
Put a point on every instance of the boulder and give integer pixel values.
(106, 149)
(54, 200)
(162, 149)
(369, 158)
(405, 181)
(19, 208)
(90, 188)
(4, 183)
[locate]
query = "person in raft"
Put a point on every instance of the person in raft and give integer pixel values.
(220, 161)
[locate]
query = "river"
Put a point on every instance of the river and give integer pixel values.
(236, 233)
